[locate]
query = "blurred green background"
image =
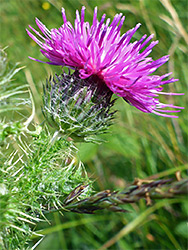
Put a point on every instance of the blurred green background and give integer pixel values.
(139, 145)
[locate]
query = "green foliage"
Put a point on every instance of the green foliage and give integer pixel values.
(38, 181)
(38, 169)
(8, 89)
(13, 97)
(147, 145)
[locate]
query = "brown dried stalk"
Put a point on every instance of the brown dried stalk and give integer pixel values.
(140, 189)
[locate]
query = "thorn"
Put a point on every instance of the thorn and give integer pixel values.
(26, 123)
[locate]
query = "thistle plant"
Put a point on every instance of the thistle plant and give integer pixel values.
(40, 168)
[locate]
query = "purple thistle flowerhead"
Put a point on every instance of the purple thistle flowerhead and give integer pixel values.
(101, 50)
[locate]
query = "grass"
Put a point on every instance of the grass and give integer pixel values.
(140, 145)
